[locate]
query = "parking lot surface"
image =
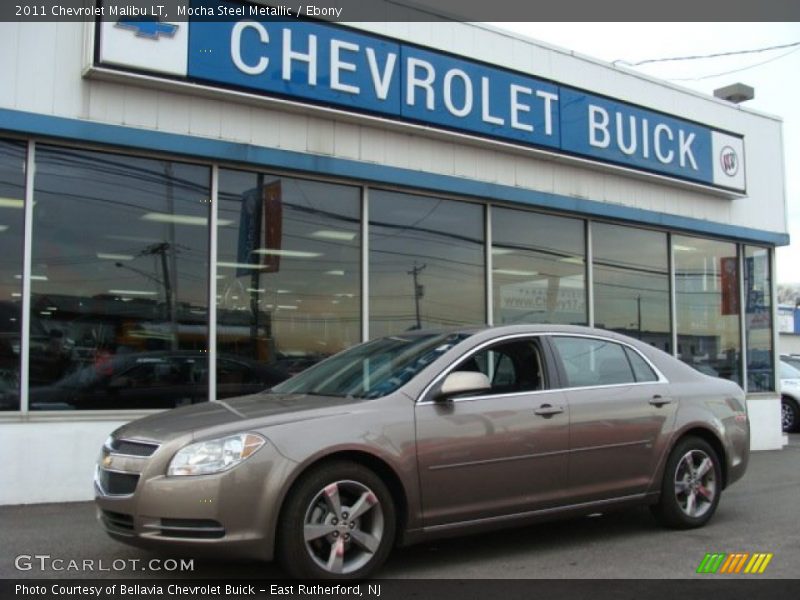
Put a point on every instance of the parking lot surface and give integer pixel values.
(757, 514)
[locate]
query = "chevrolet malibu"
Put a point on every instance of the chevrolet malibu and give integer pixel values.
(425, 434)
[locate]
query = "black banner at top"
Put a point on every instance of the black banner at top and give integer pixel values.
(427, 10)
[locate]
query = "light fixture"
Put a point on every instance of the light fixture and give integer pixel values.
(287, 253)
(33, 277)
(283, 291)
(3, 228)
(236, 265)
(501, 251)
(679, 248)
(256, 290)
(515, 272)
(735, 93)
(287, 307)
(132, 293)
(45, 312)
(11, 203)
(339, 236)
(110, 256)
(159, 217)
(336, 272)
(575, 260)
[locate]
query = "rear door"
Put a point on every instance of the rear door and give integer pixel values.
(620, 414)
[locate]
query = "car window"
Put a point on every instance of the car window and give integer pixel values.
(641, 370)
(593, 362)
(160, 372)
(515, 366)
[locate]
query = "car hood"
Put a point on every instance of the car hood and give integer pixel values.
(243, 413)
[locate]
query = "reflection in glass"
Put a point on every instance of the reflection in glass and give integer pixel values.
(631, 283)
(288, 273)
(707, 305)
(119, 281)
(539, 268)
(426, 260)
(758, 320)
(12, 196)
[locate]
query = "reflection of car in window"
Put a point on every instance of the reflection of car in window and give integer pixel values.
(153, 380)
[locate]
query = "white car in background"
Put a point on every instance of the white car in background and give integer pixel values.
(790, 393)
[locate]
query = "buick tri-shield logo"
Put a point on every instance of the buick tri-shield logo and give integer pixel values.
(729, 161)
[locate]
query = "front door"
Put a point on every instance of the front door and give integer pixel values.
(500, 452)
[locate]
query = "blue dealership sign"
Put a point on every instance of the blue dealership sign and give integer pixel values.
(323, 63)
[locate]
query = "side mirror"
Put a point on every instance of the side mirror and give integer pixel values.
(461, 382)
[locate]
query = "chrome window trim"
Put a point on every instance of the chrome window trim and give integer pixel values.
(661, 377)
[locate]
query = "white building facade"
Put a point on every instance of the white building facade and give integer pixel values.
(188, 209)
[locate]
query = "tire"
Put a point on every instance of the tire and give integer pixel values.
(790, 415)
(691, 486)
(321, 506)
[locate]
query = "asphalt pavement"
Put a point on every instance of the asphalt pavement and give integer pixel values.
(757, 514)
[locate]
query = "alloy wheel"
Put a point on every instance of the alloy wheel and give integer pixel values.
(695, 483)
(788, 416)
(343, 527)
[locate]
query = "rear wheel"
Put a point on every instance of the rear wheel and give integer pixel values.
(691, 486)
(338, 523)
(790, 415)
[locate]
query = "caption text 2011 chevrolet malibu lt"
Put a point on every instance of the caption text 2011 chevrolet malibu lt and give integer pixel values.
(427, 434)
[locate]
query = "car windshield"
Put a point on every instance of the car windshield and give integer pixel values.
(788, 371)
(373, 369)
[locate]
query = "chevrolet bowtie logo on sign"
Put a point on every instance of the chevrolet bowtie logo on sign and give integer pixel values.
(737, 563)
(147, 27)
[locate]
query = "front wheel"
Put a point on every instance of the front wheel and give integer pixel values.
(790, 419)
(691, 486)
(338, 523)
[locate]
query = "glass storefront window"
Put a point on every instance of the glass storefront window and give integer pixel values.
(12, 215)
(539, 268)
(631, 283)
(119, 281)
(758, 320)
(707, 305)
(426, 261)
(288, 277)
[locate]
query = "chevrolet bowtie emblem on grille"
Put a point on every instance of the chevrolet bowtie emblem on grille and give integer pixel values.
(147, 27)
(107, 461)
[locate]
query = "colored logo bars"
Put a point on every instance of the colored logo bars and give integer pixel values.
(738, 562)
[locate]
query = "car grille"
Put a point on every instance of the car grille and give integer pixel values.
(115, 521)
(117, 484)
(133, 448)
(199, 529)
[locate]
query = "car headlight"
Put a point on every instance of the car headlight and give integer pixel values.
(213, 456)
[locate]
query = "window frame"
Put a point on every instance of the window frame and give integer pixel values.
(562, 374)
(427, 396)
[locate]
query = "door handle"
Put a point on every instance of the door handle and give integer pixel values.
(659, 401)
(548, 410)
